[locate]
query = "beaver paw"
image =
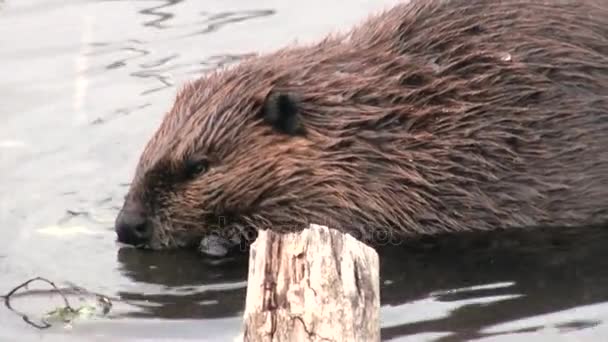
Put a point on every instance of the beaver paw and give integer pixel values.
(216, 246)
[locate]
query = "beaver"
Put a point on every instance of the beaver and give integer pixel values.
(429, 117)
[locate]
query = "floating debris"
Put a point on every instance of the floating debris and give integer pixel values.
(66, 314)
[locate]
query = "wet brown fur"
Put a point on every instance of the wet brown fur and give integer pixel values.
(434, 116)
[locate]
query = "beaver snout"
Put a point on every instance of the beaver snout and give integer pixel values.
(132, 226)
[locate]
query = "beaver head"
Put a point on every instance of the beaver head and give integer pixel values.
(253, 147)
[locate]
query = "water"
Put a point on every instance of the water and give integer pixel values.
(83, 85)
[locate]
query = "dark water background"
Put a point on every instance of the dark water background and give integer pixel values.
(84, 83)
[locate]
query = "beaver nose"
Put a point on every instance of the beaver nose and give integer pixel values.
(132, 226)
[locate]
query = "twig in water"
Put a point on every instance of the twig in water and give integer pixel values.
(7, 302)
(66, 313)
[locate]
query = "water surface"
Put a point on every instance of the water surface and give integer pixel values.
(85, 83)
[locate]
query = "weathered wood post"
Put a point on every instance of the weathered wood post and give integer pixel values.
(315, 285)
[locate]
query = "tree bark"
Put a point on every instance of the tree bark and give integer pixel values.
(315, 285)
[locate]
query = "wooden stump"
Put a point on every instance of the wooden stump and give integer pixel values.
(315, 285)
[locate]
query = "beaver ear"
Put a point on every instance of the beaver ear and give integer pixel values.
(282, 112)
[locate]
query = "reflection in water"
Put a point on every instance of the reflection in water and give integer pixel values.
(190, 285)
(161, 16)
(159, 68)
(219, 61)
(130, 46)
(120, 112)
(543, 275)
(163, 75)
(159, 62)
(122, 62)
(159, 75)
(214, 22)
(483, 279)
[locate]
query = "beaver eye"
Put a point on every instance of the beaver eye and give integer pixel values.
(196, 167)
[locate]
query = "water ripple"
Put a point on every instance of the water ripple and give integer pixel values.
(130, 46)
(161, 16)
(215, 21)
